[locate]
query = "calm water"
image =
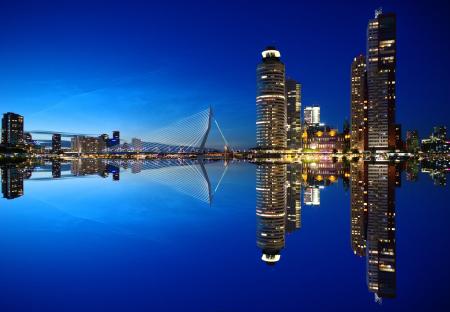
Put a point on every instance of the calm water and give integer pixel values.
(179, 236)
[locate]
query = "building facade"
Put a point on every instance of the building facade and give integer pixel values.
(12, 130)
(358, 139)
(381, 65)
(293, 110)
(271, 116)
(311, 116)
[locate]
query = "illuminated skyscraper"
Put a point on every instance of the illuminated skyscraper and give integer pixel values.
(270, 210)
(293, 107)
(12, 130)
(381, 63)
(311, 115)
(358, 139)
(271, 117)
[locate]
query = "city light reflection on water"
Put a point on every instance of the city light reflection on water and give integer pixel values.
(138, 234)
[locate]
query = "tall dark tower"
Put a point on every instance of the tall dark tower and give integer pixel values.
(12, 130)
(271, 101)
(293, 111)
(358, 137)
(381, 63)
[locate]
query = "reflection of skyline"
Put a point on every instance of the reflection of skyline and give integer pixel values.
(183, 175)
(279, 190)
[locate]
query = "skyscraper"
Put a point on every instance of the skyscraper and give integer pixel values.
(381, 63)
(358, 138)
(311, 115)
(293, 110)
(12, 130)
(271, 117)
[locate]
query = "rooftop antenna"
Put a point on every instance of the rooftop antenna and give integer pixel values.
(378, 11)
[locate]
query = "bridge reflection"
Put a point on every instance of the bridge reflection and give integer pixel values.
(187, 176)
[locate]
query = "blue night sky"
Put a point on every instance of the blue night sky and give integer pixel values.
(96, 66)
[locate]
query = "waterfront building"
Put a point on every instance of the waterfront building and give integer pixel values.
(89, 166)
(322, 139)
(359, 102)
(56, 143)
(270, 210)
(87, 145)
(381, 66)
(12, 182)
(115, 140)
(311, 116)
(293, 110)
(137, 144)
(437, 142)
(12, 130)
(412, 141)
(271, 116)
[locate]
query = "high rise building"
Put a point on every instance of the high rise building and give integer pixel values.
(56, 143)
(412, 141)
(12, 130)
(293, 110)
(311, 115)
(83, 144)
(381, 63)
(440, 132)
(358, 138)
(271, 119)
(270, 210)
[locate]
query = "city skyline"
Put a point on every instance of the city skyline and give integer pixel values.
(60, 86)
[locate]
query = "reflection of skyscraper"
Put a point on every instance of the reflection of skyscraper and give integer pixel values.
(358, 207)
(12, 182)
(293, 110)
(381, 276)
(311, 196)
(56, 169)
(293, 198)
(381, 60)
(270, 210)
(270, 101)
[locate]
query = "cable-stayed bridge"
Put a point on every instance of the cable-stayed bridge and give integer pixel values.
(188, 135)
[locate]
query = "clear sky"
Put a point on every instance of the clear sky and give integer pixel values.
(97, 66)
